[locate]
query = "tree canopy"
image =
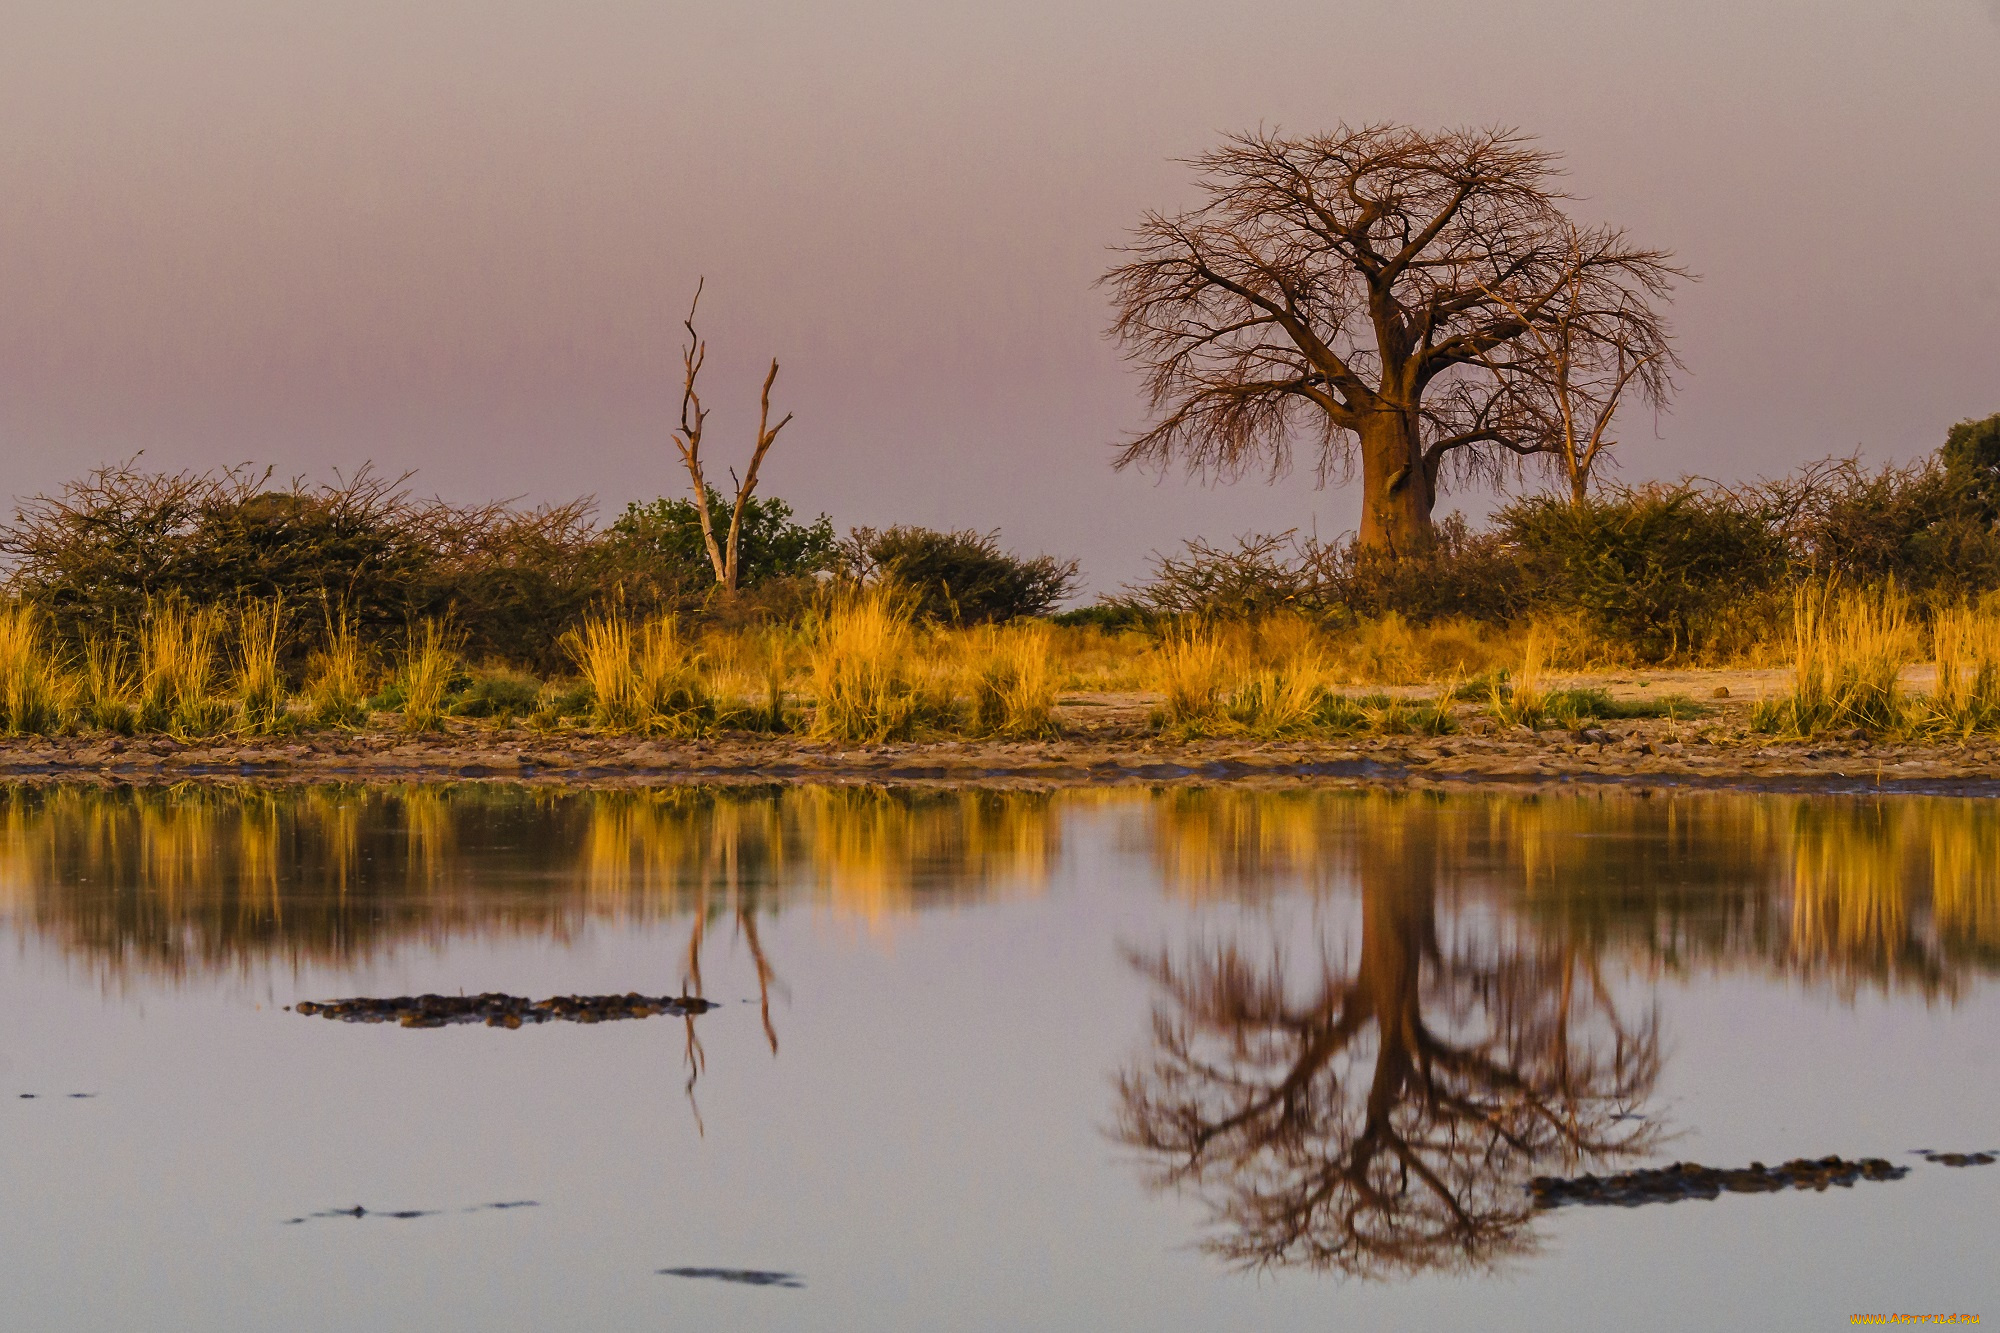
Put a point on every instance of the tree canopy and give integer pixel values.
(1372, 291)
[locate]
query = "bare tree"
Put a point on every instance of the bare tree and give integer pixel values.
(723, 555)
(1346, 287)
(1591, 345)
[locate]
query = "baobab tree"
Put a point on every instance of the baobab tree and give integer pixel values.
(723, 555)
(1372, 292)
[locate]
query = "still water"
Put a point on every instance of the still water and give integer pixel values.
(1178, 1059)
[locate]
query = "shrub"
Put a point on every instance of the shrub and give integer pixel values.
(498, 694)
(1654, 569)
(665, 534)
(959, 578)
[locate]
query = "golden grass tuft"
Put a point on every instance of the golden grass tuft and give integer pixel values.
(1013, 683)
(31, 687)
(1191, 672)
(337, 677)
(867, 680)
(668, 693)
(1523, 699)
(644, 678)
(177, 670)
(1849, 647)
(109, 698)
(1283, 700)
(430, 659)
(1966, 699)
(260, 690)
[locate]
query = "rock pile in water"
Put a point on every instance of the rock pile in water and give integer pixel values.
(504, 1011)
(1691, 1180)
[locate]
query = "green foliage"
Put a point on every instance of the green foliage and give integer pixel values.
(503, 695)
(99, 552)
(1971, 460)
(665, 534)
(1657, 568)
(959, 578)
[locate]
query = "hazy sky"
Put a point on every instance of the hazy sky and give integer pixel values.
(459, 236)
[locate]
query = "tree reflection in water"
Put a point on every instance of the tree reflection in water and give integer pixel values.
(1378, 1113)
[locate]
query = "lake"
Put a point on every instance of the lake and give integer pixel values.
(1124, 1058)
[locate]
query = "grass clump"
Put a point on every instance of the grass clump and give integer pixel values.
(31, 687)
(861, 660)
(641, 678)
(1966, 698)
(336, 687)
(1013, 683)
(424, 677)
(499, 695)
(259, 687)
(1849, 649)
(1522, 700)
(1191, 674)
(177, 671)
(109, 690)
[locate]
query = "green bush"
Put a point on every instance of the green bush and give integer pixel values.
(666, 535)
(1658, 569)
(959, 578)
(497, 694)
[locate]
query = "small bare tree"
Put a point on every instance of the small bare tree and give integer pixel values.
(724, 554)
(1344, 288)
(1588, 347)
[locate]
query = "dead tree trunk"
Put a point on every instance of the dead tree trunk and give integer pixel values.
(725, 555)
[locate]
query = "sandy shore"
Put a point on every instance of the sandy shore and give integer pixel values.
(1106, 742)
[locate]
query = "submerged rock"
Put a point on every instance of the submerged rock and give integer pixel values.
(503, 1011)
(1691, 1180)
(1957, 1158)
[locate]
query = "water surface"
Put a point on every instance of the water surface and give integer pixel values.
(1192, 1058)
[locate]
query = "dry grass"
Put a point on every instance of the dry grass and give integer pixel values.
(337, 677)
(177, 671)
(1013, 681)
(1849, 648)
(31, 687)
(424, 676)
(642, 678)
(260, 690)
(669, 695)
(1191, 675)
(1966, 699)
(868, 681)
(1523, 699)
(109, 691)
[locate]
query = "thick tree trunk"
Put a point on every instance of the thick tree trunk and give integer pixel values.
(1396, 491)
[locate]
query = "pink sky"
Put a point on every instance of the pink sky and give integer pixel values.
(458, 237)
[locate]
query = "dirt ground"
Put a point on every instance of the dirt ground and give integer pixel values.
(1106, 740)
